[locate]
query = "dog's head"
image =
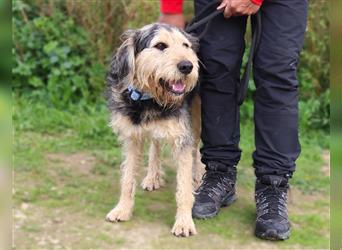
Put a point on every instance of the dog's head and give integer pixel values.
(160, 60)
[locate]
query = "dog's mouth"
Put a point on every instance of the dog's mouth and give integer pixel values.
(175, 87)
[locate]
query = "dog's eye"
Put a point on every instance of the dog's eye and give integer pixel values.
(186, 45)
(161, 46)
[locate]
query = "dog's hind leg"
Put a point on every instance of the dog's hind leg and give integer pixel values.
(197, 166)
(184, 224)
(133, 157)
(153, 179)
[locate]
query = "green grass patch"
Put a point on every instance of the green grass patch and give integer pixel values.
(61, 182)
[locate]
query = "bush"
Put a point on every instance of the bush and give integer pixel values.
(315, 113)
(314, 69)
(57, 58)
(49, 55)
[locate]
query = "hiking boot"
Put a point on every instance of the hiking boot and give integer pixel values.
(272, 221)
(217, 190)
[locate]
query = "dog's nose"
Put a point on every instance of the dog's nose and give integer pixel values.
(185, 67)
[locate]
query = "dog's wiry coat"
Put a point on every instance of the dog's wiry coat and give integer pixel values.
(149, 59)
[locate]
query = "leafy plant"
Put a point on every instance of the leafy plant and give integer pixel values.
(314, 68)
(52, 60)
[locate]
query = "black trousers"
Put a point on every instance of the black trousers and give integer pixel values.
(276, 97)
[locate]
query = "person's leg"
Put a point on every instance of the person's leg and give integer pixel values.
(276, 97)
(221, 51)
(276, 111)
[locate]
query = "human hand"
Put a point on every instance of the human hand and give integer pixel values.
(173, 19)
(238, 8)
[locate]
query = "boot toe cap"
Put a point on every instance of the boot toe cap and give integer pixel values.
(204, 210)
(272, 229)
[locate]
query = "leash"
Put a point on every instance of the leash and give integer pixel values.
(205, 16)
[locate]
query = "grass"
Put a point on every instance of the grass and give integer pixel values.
(52, 178)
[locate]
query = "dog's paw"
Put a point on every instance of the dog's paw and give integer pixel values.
(152, 183)
(184, 227)
(119, 214)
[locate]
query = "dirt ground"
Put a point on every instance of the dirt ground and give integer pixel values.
(43, 227)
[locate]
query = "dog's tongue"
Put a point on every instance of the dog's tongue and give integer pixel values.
(178, 86)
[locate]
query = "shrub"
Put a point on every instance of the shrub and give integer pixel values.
(314, 68)
(58, 58)
(315, 112)
(49, 58)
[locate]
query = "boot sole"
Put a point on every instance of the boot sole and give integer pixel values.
(273, 235)
(225, 202)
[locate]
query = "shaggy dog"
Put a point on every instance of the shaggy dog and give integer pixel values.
(150, 83)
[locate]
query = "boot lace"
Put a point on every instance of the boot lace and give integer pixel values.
(271, 200)
(215, 184)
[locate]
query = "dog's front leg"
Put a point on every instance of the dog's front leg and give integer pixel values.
(184, 225)
(133, 154)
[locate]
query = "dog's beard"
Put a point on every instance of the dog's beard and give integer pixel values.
(169, 90)
(168, 93)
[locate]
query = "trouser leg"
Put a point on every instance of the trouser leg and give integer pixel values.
(276, 97)
(221, 51)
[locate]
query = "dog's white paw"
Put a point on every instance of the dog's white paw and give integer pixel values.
(184, 227)
(119, 213)
(151, 183)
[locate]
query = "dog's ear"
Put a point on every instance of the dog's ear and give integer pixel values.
(193, 40)
(127, 34)
(122, 63)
